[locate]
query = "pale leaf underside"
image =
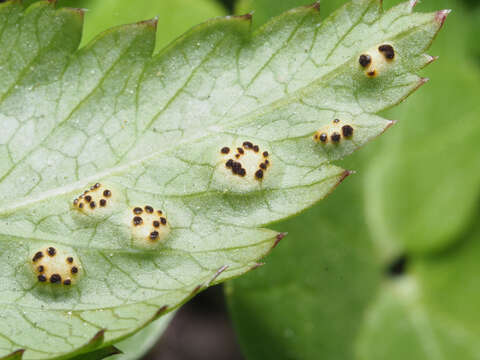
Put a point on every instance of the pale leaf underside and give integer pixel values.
(151, 129)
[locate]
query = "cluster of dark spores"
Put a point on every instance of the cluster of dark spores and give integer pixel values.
(139, 221)
(345, 132)
(87, 200)
(237, 167)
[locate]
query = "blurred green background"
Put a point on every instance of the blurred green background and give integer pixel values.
(386, 267)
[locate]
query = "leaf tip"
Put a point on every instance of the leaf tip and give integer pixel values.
(441, 16)
(279, 238)
(98, 337)
(423, 81)
(152, 23)
(161, 311)
(431, 59)
(115, 351)
(16, 355)
(412, 4)
(217, 274)
(315, 6)
(256, 266)
(247, 17)
(196, 290)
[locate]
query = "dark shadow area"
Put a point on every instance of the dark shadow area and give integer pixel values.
(398, 266)
(201, 330)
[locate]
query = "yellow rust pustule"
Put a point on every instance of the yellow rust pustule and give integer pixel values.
(97, 199)
(56, 266)
(149, 226)
(334, 133)
(247, 160)
(376, 60)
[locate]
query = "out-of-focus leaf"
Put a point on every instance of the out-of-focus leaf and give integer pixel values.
(432, 313)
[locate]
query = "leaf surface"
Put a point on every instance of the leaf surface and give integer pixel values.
(149, 130)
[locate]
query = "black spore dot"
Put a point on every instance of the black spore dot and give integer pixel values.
(137, 211)
(70, 259)
(107, 193)
(323, 137)
(55, 278)
(41, 278)
(149, 209)
(67, 282)
(263, 166)
(225, 150)
(259, 174)
(256, 148)
(103, 203)
(51, 251)
(41, 269)
(347, 131)
(365, 60)
(163, 221)
(229, 163)
(372, 73)
(265, 154)
(159, 212)
(398, 266)
(336, 137)
(247, 145)
(92, 205)
(80, 205)
(154, 235)
(137, 220)
(156, 223)
(74, 270)
(38, 255)
(240, 151)
(88, 198)
(242, 172)
(96, 186)
(336, 121)
(387, 51)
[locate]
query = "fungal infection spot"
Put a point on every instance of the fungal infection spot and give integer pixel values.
(334, 133)
(55, 266)
(149, 227)
(247, 162)
(376, 60)
(96, 200)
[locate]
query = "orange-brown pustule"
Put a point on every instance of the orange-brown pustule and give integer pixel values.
(376, 60)
(56, 266)
(334, 133)
(96, 199)
(247, 161)
(149, 226)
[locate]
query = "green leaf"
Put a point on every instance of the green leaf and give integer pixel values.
(432, 312)
(149, 131)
